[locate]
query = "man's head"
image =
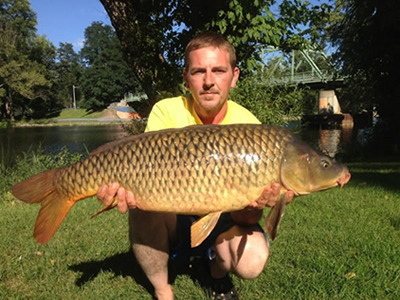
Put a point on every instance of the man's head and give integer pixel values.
(214, 40)
(210, 72)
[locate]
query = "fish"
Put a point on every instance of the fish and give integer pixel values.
(200, 170)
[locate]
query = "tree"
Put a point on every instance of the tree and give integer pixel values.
(24, 59)
(367, 35)
(68, 73)
(106, 77)
(153, 34)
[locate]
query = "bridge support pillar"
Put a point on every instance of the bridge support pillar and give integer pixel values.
(328, 103)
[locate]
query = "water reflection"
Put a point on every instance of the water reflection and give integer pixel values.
(329, 141)
(81, 139)
(333, 141)
(14, 141)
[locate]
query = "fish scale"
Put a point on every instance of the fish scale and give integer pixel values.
(216, 158)
(193, 170)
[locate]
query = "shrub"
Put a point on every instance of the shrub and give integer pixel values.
(31, 163)
(273, 104)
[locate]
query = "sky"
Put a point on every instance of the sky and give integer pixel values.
(65, 21)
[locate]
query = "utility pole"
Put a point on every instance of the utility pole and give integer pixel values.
(73, 96)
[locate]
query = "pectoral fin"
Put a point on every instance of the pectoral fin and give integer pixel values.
(106, 207)
(274, 217)
(202, 228)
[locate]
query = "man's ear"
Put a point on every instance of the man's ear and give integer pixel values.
(185, 79)
(236, 73)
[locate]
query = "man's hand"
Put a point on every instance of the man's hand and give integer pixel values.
(270, 196)
(125, 199)
(253, 213)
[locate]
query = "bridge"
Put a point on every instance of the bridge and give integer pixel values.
(306, 67)
(297, 67)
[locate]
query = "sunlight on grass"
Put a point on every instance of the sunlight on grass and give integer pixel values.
(331, 245)
(79, 113)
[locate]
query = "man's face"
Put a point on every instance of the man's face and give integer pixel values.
(210, 77)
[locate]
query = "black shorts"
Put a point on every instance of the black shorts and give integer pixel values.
(183, 252)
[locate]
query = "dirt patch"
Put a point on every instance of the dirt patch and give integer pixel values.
(109, 114)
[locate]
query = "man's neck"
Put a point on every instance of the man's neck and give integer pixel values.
(212, 117)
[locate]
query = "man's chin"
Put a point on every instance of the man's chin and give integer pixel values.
(209, 106)
(208, 98)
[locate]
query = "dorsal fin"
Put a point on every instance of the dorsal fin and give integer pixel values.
(112, 144)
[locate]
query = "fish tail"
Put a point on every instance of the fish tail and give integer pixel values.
(54, 206)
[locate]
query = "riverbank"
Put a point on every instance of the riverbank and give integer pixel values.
(71, 117)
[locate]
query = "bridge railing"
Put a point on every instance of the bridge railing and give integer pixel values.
(295, 67)
(299, 78)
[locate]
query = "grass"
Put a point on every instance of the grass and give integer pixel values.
(79, 113)
(331, 245)
(63, 114)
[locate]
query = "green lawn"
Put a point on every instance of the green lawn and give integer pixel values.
(79, 113)
(331, 245)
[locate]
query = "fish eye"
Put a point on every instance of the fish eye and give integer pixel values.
(324, 164)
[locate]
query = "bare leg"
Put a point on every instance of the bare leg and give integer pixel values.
(241, 250)
(150, 234)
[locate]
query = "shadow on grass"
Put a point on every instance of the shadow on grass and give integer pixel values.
(122, 264)
(386, 175)
(125, 264)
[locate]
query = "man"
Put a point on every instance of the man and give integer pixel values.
(238, 243)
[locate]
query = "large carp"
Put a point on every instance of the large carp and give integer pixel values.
(203, 170)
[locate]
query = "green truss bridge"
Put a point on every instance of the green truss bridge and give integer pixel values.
(298, 67)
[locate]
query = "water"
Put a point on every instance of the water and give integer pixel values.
(14, 141)
(329, 141)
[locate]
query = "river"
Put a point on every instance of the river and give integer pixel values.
(83, 138)
(14, 141)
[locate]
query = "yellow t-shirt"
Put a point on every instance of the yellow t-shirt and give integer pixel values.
(179, 112)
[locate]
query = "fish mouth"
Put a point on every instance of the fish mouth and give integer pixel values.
(343, 179)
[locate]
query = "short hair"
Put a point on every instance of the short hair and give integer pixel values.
(211, 39)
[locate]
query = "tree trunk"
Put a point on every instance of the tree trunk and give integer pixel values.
(8, 105)
(124, 18)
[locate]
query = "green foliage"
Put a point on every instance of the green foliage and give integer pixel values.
(154, 35)
(69, 71)
(36, 78)
(31, 163)
(135, 127)
(25, 61)
(106, 76)
(153, 38)
(273, 104)
(367, 36)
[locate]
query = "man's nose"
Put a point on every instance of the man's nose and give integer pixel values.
(208, 79)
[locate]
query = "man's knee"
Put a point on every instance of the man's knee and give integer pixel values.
(243, 251)
(253, 260)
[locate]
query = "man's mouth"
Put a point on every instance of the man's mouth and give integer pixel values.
(209, 93)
